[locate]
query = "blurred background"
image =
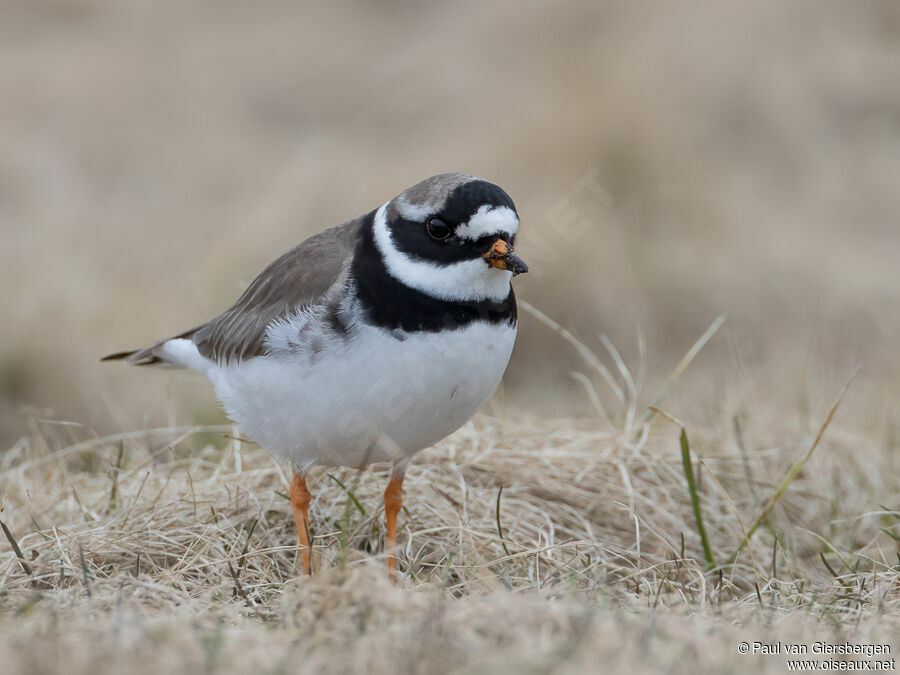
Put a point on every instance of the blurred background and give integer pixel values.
(670, 162)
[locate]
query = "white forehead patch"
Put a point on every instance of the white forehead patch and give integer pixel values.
(489, 220)
(415, 212)
(463, 281)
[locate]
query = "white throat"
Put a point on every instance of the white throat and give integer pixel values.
(465, 281)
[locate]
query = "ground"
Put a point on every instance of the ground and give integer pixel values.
(526, 546)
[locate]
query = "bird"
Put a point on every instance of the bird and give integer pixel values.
(369, 341)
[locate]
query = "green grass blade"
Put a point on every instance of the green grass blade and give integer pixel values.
(695, 498)
(349, 493)
(890, 534)
(499, 528)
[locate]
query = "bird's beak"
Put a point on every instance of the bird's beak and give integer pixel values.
(502, 257)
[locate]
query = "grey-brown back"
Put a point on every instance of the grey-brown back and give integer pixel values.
(299, 278)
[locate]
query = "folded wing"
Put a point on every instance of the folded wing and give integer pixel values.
(300, 278)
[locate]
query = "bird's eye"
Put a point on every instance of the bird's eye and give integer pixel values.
(437, 228)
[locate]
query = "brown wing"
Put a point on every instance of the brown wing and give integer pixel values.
(298, 278)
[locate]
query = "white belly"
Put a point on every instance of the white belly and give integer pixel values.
(371, 399)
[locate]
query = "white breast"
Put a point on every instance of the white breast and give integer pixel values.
(369, 398)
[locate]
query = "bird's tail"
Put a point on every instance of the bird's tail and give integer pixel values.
(174, 352)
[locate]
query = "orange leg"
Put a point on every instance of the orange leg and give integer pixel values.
(393, 500)
(300, 498)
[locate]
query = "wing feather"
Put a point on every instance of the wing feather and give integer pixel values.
(298, 279)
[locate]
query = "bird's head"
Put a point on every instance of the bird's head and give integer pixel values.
(451, 236)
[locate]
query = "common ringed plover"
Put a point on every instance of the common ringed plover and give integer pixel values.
(369, 341)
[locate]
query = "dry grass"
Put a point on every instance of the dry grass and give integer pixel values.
(143, 554)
